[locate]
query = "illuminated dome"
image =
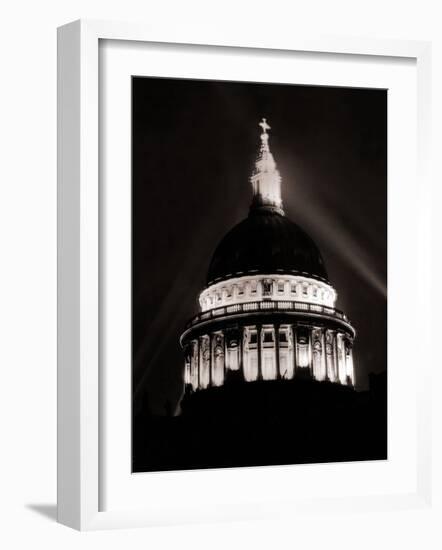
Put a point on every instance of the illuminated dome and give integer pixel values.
(268, 309)
(266, 242)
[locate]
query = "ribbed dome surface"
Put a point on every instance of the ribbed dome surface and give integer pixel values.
(266, 242)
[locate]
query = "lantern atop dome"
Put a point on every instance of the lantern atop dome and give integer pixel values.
(265, 179)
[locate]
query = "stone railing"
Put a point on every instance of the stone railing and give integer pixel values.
(275, 306)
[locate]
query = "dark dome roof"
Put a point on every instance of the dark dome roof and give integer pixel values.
(266, 242)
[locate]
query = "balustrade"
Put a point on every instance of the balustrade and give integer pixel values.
(267, 306)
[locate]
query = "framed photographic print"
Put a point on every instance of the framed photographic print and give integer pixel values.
(229, 216)
(267, 307)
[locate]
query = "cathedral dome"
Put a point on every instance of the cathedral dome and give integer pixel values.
(266, 242)
(268, 310)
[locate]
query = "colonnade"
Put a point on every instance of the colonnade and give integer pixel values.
(269, 352)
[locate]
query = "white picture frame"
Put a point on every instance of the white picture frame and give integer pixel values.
(79, 389)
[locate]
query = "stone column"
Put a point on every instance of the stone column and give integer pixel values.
(344, 355)
(341, 370)
(210, 358)
(225, 354)
(324, 351)
(323, 356)
(310, 354)
(188, 364)
(332, 357)
(199, 360)
(295, 350)
(259, 346)
(352, 373)
(241, 350)
(335, 355)
(277, 359)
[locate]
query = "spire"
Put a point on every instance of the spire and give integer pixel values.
(265, 179)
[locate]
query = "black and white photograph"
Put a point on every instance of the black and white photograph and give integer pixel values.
(259, 274)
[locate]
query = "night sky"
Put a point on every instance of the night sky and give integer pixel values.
(194, 145)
